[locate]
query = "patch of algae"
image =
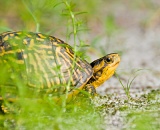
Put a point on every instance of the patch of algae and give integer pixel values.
(134, 113)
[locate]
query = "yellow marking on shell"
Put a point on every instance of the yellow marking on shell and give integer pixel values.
(41, 36)
(63, 71)
(28, 35)
(16, 37)
(86, 70)
(5, 33)
(58, 40)
(53, 64)
(39, 39)
(71, 56)
(49, 52)
(25, 56)
(2, 51)
(11, 34)
(41, 83)
(45, 75)
(35, 85)
(40, 51)
(55, 43)
(52, 82)
(32, 42)
(71, 64)
(45, 46)
(31, 84)
(66, 53)
(25, 41)
(6, 38)
(9, 52)
(66, 59)
(19, 50)
(51, 38)
(14, 44)
(59, 63)
(19, 33)
(32, 62)
(47, 80)
(80, 75)
(49, 67)
(57, 80)
(70, 53)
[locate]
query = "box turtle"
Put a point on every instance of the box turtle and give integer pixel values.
(48, 63)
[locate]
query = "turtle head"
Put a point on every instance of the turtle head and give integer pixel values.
(104, 68)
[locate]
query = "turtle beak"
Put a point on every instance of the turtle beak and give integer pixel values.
(116, 59)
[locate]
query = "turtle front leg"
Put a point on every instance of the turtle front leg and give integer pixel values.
(90, 89)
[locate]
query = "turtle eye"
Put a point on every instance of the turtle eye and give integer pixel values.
(108, 59)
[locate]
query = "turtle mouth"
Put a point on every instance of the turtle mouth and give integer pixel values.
(117, 60)
(115, 65)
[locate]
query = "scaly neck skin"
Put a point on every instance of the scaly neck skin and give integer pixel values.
(101, 76)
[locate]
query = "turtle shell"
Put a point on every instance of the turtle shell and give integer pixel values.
(41, 61)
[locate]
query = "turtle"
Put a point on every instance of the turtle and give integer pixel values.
(44, 62)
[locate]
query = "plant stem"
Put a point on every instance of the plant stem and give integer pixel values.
(75, 48)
